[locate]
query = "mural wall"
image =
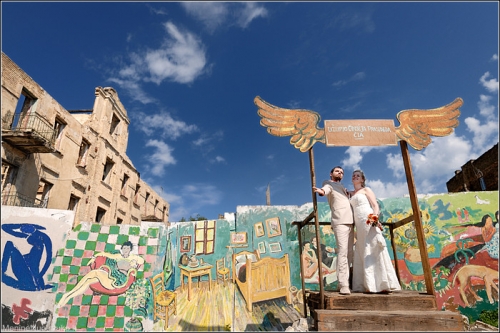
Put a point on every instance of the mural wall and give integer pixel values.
(102, 278)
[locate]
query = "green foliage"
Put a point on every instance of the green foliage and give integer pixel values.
(489, 317)
(198, 217)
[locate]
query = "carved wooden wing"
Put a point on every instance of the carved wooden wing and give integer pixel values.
(301, 124)
(416, 126)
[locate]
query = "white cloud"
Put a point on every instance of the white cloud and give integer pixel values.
(219, 159)
(206, 141)
(355, 156)
(202, 194)
(161, 158)
(190, 200)
(491, 85)
(494, 57)
(211, 14)
(388, 190)
(351, 20)
(162, 124)
(485, 135)
(180, 58)
(395, 163)
(486, 109)
(216, 14)
(436, 164)
(134, 90)
(356, 77)
(250, 11)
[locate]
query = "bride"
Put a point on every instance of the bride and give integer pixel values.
(372, 267)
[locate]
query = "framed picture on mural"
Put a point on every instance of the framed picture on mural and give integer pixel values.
(273, 227)
(239, 237)
(262, 247)
(259, 229)
(185, 243)
(275, 247)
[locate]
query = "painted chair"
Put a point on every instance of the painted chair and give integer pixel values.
(222, 270)
(164, 301)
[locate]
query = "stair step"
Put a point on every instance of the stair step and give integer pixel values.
(376, 320)
(401, 300)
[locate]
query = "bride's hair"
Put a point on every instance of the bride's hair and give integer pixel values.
(362, 177)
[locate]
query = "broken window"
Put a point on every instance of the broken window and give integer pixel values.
(73, 202)
(113, 129)
(106, 175)
(9, 175)
(82, 155)
(99, 216)
(43, 193)
(58, 132)
(124, 184)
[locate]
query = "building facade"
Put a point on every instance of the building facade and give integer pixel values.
(480, 174)
(72, 160)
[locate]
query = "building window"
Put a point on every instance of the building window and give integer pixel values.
(25, 106)
(82, 155)
(58, 132)
(124, 184)
(154, 209)
(164, 213)
(146, 204)
(73, 202)
(9, 175)
(99, 216)
(42, 194)
(113, 129)
(119, 221)
(136, 194)
(204, 237)
(106, 175)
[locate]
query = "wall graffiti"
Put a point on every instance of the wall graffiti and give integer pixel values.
(27, 274)
(101, 274)
(110, 274)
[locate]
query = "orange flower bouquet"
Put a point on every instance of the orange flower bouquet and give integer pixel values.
(374, 222)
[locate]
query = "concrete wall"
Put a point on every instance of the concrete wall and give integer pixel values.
(463, 253)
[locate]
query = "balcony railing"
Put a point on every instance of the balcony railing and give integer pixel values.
(29, 132)
(21, 200)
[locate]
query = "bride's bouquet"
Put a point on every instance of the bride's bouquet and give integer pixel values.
(374, 222)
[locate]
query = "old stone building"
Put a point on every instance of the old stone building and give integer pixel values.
(76, 160)
(480, 174)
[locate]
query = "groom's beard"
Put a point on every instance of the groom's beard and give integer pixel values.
(336, 179)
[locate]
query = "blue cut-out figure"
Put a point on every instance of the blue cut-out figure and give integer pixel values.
(26, 267)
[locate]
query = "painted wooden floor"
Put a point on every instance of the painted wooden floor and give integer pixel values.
(223, 309)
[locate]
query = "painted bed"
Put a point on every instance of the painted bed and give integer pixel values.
(261, 279)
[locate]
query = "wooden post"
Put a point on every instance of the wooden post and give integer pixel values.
(299, 234)
(316, 223)
(422, 244)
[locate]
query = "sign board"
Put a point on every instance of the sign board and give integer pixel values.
(366, 132)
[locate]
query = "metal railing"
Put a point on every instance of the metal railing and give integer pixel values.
(29, 122)
(21, 200)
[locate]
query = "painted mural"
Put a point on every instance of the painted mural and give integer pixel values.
(187, 276)
(30, 239)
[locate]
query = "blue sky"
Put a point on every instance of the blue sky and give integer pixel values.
(188, 73)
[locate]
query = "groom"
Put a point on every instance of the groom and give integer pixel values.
(342, 224)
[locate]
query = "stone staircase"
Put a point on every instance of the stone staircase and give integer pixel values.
(399, 311)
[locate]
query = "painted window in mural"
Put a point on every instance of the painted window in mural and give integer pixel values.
(204, 237)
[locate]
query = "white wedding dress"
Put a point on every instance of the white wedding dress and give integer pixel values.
(372, 267)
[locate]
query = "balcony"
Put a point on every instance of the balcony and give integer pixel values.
(29, 133)
(21, 200)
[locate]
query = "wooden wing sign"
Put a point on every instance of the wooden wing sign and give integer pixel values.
(416, 126)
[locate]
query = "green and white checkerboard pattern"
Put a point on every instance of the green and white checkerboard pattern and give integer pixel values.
(92, 312)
